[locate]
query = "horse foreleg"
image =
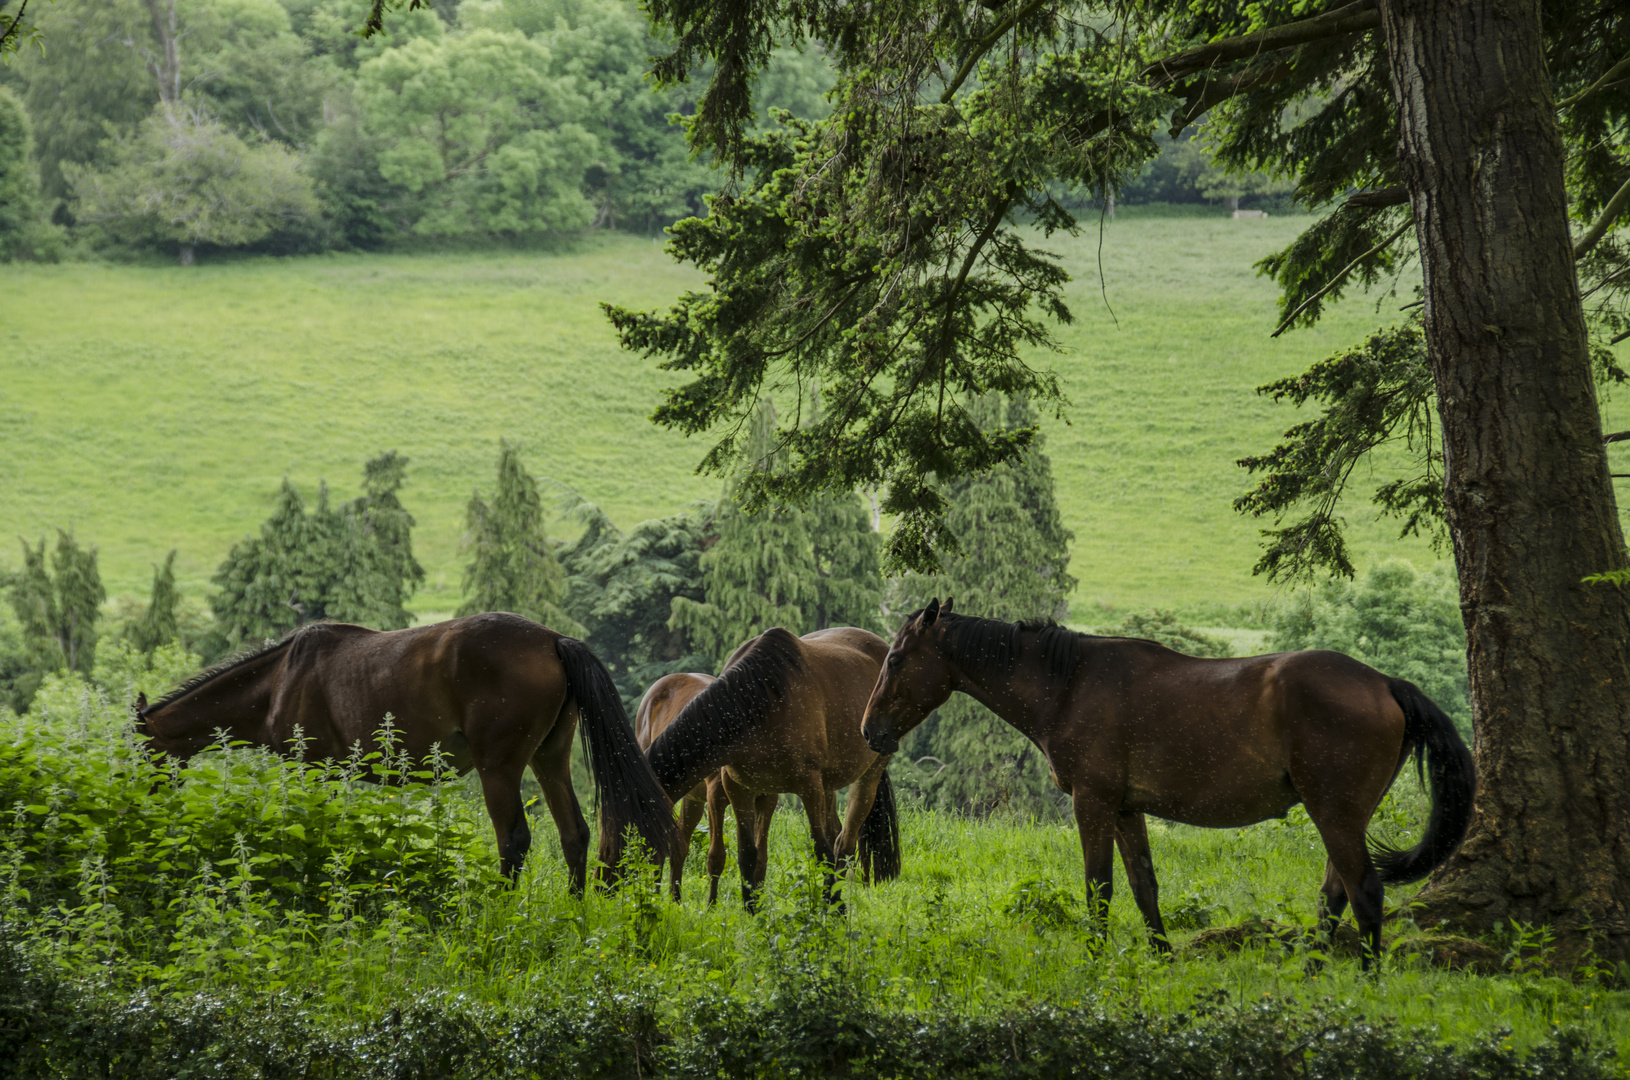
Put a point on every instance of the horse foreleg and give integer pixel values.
(1095, 819)
(716, 855)
(747, 853)
(813, 794)
(862, 794)
(1132, 837)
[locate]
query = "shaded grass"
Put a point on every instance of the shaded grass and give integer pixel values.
(151, 406)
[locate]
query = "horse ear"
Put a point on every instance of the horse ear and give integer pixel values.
(945, 609)
(930, 613)
(141, 702)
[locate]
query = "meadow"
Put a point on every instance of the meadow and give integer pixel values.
(152, 406)
(258, 887)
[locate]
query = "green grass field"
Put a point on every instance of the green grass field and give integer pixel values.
(153, 406)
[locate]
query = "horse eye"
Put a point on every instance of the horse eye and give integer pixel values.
(896, 660)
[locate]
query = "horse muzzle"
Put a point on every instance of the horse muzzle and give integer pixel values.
(881, 742)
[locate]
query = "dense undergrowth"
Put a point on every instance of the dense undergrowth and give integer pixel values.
(249, 917)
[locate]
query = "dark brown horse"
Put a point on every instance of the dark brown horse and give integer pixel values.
(1130, 727)
(496, 692)
(659, 708)
(784, 716)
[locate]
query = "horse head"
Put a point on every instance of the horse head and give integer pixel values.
(915, 680)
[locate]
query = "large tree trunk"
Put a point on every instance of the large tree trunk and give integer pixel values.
(165, 65)
(1529, 502)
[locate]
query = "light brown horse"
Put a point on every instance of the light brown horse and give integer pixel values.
(659, 708)
(784, 716)
(1130, 727)
(496, 692)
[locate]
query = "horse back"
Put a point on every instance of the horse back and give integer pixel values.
(662, 703)
(841, 668)
(435, 681)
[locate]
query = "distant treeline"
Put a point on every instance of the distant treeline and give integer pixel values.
(676, 593)
(272, 125)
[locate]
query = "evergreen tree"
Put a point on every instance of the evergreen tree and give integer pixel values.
(801, 569)
(57, 610)
(158, 624)
(512, 566)
(1012, 564)
(621, 586)
(22, 227)
(353, 563)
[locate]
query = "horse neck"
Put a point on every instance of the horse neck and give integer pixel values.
(237, 701)
(1023, 697)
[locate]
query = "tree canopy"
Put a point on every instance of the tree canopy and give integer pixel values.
(353, 562)
(894, 255)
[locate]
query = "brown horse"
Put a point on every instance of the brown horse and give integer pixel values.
(784, 715)
(659, 708)
(496, 692)
(1130, 727)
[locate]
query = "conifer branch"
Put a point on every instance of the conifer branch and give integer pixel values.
(1598, 229)
(1380, 198)
(985, 45)
(1352, 18)
(1622, 68)
(1340, 276)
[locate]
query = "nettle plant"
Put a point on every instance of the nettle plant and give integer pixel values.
(241, 859)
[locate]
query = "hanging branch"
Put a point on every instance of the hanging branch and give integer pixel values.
(1341, 275)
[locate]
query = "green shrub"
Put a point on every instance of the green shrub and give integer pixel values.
(1401, 622)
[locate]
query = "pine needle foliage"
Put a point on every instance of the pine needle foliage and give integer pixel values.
(622, 586)
(881, 253)
(512, 565)
(57, 609)
(158, 624)
(351, 563)
(1012, 563)
(802, 569)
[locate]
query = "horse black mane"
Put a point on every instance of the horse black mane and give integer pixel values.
(231, 663)
(980, 644)
(740, 699)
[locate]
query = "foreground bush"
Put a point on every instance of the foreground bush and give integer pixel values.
(51, 1028)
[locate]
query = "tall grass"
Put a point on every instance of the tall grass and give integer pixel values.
(252, 875)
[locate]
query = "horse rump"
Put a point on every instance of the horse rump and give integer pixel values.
(1432, 737)
(879, 840)
(627, 790)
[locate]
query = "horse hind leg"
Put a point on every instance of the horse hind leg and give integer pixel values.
(716, 854)
(1332, 900)
(552, 767)
(501, 790)
(1356, 878)
(691, 812)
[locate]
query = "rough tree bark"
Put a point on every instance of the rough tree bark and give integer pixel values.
(1529, 503)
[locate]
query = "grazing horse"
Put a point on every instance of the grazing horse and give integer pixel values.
(659, 708)
(1130, 727)
(784, 715)
(496, 692)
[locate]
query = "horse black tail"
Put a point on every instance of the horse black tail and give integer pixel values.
(628, 791)
(880, 835)
(1430, 733)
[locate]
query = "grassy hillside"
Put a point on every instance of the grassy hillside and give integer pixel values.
(155, 406)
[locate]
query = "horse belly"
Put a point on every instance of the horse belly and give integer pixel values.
(1222, 793)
